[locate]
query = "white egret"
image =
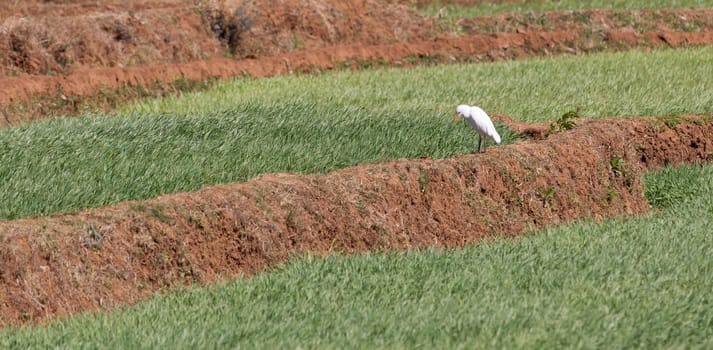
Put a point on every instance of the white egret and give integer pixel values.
(480, 121)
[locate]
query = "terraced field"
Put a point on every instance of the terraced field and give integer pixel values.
(295, 180)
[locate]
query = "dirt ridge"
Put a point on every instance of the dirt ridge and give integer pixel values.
(479, 47)
(131, 49)
(113, 256)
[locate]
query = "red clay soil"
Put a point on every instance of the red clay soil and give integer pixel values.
(118, 255)
(140, 43)
(59, 37)
(470, 48)
(56, 38)
(593, 21)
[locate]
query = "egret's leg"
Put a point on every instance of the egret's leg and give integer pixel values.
(480, 139)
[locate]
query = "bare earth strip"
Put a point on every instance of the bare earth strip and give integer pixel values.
(470, 48)
(131, 48)
(480, 47)
(118, 255)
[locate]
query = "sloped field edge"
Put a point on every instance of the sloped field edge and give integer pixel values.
(118, 255)
(28, 98)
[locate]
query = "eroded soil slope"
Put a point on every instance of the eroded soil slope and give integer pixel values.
(58, 37)
(66, 57)
(108, 257)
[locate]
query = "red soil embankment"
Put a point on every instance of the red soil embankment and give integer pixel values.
(480, 47)
(118, 255)
(144, 43)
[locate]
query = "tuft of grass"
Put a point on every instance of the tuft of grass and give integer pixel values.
(424, 178)
(674, 185)
(627, 283)
(617, 165)
(670, 121)
(547, 194)
(564, 122)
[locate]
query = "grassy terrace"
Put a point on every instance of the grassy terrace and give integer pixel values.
(489, 8)
(537, 90)
(627, 283)
(321, 123)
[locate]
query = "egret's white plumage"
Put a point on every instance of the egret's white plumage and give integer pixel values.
(480, 121)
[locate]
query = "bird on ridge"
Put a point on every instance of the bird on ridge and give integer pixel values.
(480, 121)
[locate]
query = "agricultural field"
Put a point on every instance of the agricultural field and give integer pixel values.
(482, 8)
(292, 180)
(630, 282)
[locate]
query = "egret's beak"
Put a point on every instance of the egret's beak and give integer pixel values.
(455, 119)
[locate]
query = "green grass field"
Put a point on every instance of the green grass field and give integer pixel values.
(244, 128)
(640, 282)
(487, 8)
(626, 283)
(536, 90)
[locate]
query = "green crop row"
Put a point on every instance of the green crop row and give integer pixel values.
(309, 124)
(634, 83)
(494, 7)
(627, 283)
